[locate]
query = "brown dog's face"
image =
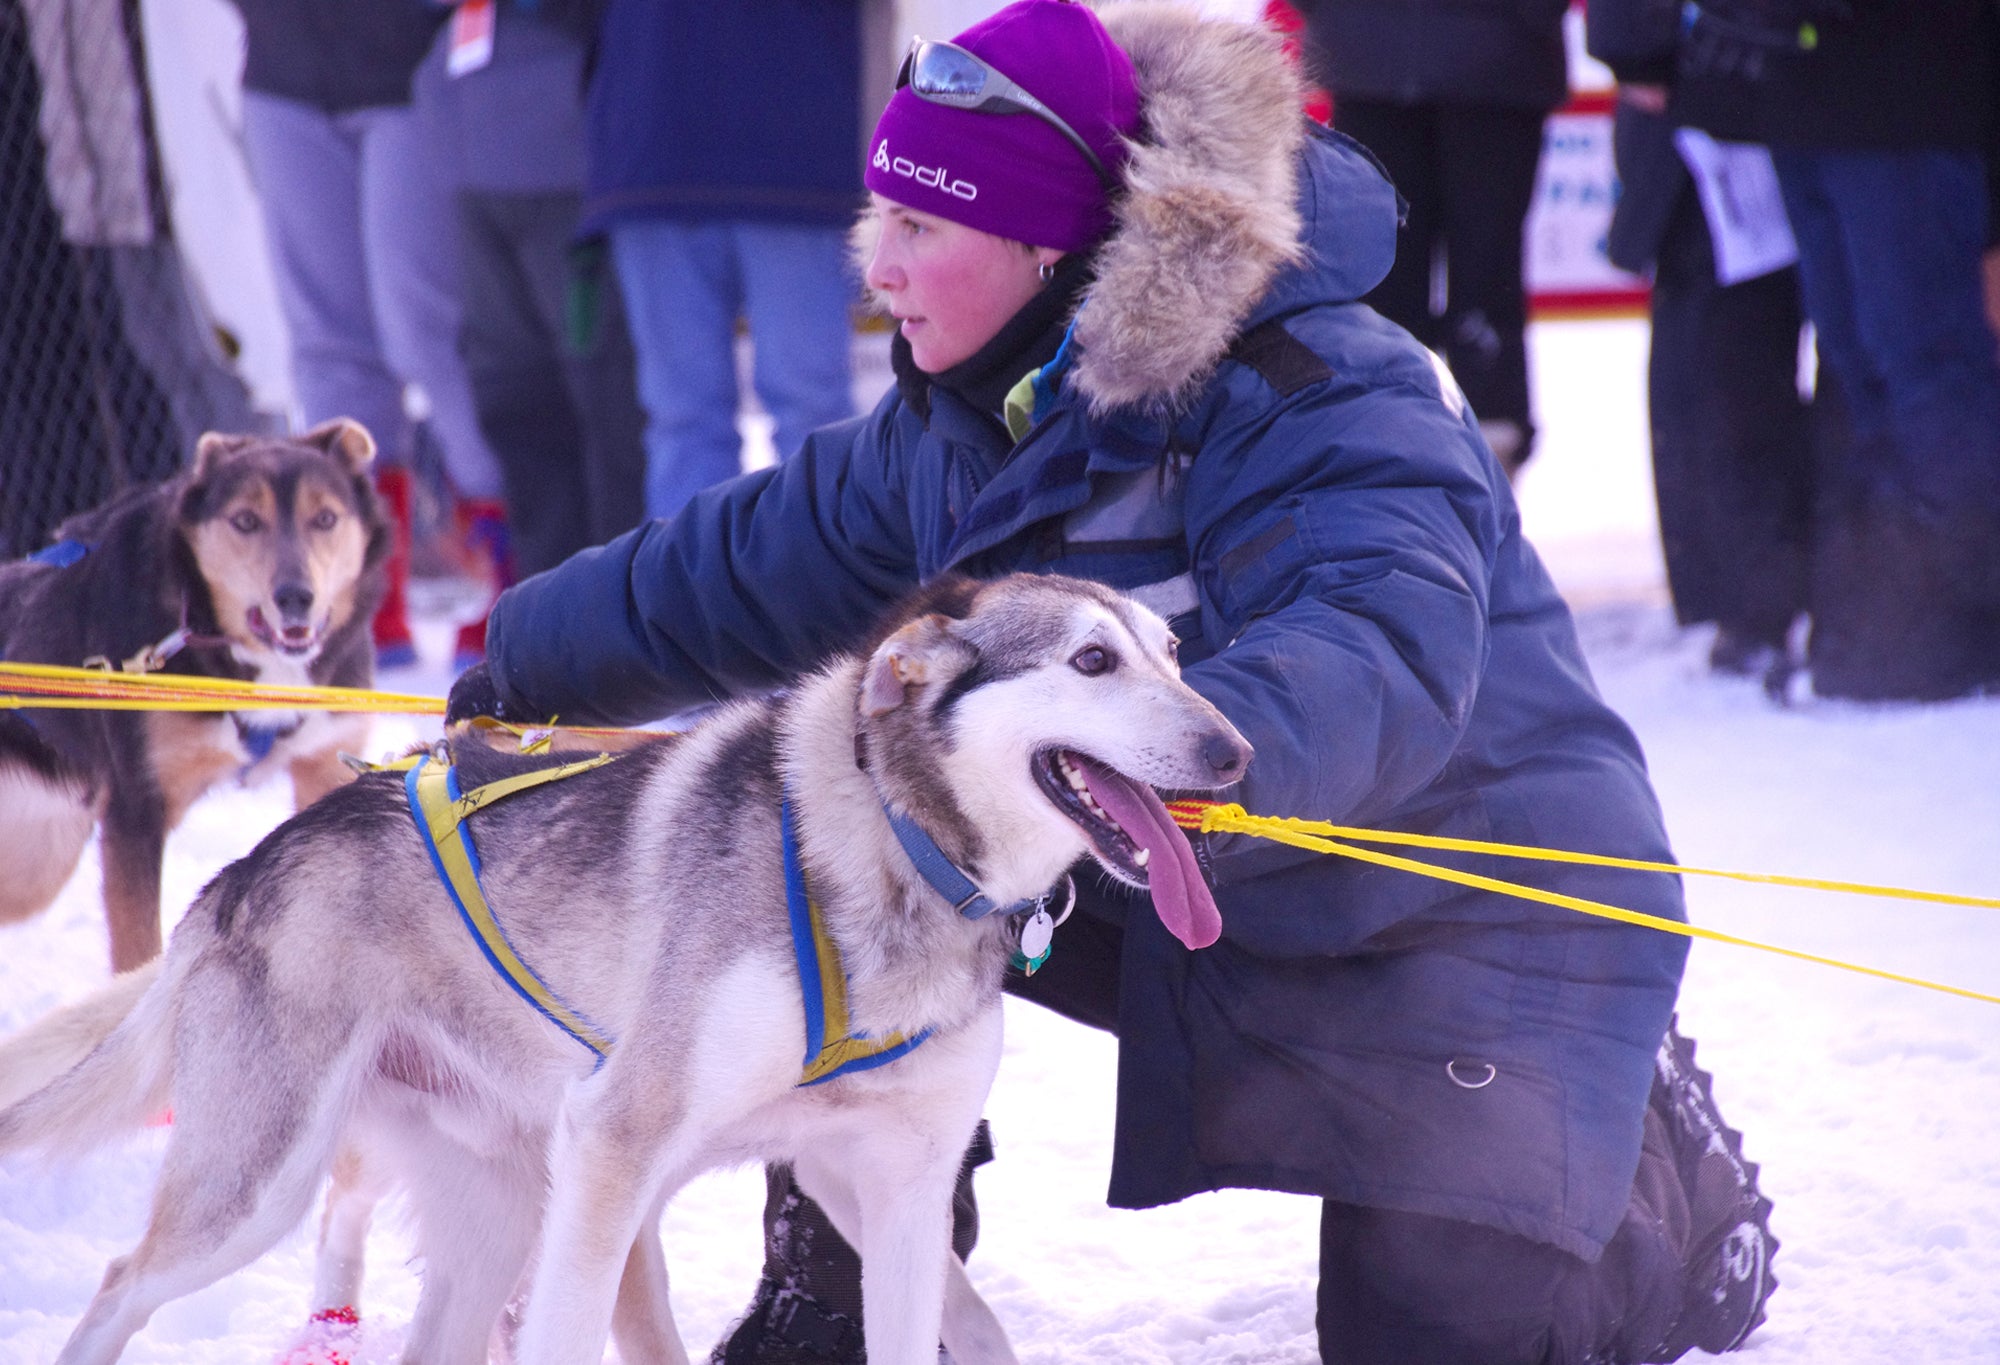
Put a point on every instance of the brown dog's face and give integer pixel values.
(282, 532)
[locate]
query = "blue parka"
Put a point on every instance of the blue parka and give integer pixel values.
(1297, 484)
(707, 110)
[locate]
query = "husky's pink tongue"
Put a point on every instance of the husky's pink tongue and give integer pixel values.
(1180, 897)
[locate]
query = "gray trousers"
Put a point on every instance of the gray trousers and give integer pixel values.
(364, 249)
(550, 362)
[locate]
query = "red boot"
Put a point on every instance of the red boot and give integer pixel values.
(395, 647)
(482, 524)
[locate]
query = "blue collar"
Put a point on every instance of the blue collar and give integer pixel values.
(942, 873)
(62, 554)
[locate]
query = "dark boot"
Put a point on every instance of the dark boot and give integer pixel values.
(1891, 615)
(807, 1308)
(1729, 1242)
(1761, 655)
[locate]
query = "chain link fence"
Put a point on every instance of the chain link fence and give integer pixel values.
(108, 368)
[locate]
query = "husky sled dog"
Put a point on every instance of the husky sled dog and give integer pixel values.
(323, 991)
(261, 562)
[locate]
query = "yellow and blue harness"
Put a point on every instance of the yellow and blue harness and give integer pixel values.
(832, 1049)
(440, 810)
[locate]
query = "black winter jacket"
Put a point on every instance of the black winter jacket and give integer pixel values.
(336, 55)
(1506, 52)
(1896, 76)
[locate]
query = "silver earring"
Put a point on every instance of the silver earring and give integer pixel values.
(1047, 271)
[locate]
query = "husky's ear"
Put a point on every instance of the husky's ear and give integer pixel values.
(923, 650)
(212, 447)
(345, 438)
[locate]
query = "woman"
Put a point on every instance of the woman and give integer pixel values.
(1129, 348)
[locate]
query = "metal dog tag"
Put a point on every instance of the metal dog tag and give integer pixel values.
(1036, 935)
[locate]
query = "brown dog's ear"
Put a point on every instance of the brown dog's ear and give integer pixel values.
(213, 445)
(921, 651)
(346, 438)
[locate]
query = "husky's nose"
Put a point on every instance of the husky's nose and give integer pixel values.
(294, 600)
(1226, 755)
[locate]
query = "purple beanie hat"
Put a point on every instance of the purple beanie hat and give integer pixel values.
(1014, 175)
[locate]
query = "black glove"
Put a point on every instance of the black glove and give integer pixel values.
(474, 694)
(1739, 37)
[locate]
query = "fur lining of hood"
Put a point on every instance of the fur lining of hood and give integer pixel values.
(1209, 214)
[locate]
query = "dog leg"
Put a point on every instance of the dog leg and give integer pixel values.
(642, 1323)
(48, 825)
(214, 1212)
(134, 840)
(971, 1330)
(894, 1190)
(110, 1321)
(617, 1154)
(351, 1197)
(477, 1216)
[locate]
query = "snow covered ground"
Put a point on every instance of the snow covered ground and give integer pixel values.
(1869, 1103)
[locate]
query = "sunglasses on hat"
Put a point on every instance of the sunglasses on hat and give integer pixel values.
(944, 73)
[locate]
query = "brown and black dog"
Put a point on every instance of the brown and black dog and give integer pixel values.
(261, 562)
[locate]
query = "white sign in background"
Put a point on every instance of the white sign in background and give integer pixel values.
(1575, 191)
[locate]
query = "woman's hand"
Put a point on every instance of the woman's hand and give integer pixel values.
(474, 694)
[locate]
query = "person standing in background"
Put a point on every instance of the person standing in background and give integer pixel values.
(1990, 262)
(722, 206)
(1877, 118)
(363, 247)
(1732, 459)
(543, 335)
(110, 367)
(1451, 95)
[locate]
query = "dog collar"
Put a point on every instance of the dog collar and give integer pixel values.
(945, 876)
(948, 880)
(62, 554)
(257, 741)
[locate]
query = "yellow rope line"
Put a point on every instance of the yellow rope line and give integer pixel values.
(52, 685)
(1194, 814)
(59, 687)
(1233, 819)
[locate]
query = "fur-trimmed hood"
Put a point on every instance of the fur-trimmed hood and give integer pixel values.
(1219, 222)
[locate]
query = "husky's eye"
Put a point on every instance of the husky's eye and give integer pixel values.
(1092, 660)
(324, 519)
(246, 521)
(1174, 648)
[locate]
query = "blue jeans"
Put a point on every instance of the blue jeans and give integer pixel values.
(1889, 247)
(364, 250)
(685, 285)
